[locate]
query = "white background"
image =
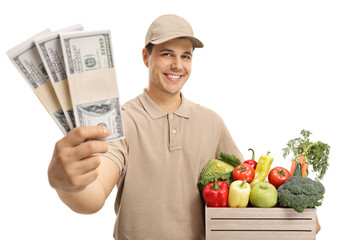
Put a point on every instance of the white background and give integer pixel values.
(269, 68)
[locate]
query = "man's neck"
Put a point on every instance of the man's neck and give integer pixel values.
(168, 102)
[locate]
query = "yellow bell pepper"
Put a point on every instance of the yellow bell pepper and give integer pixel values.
(262, 168)
(239, 194)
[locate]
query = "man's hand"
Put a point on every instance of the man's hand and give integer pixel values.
(318, 228)
(74, 166)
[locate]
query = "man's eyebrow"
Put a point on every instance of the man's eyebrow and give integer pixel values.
(166, 50)
(188, 52)
(172, 51)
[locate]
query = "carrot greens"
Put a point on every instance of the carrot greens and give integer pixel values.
(315, 153)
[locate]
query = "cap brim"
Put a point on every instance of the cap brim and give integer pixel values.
(196, 42)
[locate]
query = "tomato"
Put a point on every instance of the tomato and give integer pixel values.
(244, 171)
(278, 175)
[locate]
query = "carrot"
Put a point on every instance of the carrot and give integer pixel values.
(293, 166)
(301, 159)
(304, 169)
(304, 166)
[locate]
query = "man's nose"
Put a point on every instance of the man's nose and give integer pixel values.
(177, 64)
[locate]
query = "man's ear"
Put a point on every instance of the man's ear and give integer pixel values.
(146, 57)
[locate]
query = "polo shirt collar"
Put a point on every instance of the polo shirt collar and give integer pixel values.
(156, 112)
(184, 109)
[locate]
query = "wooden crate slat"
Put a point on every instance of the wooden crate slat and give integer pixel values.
(261, 212)
(306, 225)
(260, 236)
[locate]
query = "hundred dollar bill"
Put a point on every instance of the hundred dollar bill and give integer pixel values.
(27, 60)
(92, 83)
(49, 48)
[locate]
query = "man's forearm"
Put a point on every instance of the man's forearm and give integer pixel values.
(88, 201)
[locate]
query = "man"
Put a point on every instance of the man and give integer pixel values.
(156, 167)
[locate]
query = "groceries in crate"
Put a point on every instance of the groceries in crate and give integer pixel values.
(239, 193)
(262, 168)
(308, 153)
(221, 168)
(263, 195)
(216, 194)
(278, 175)
(244, 172)
(300, 192)
(244, 185)
(252, 161)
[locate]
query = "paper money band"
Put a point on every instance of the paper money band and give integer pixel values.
(62, 92)
(93, 86)
(47, 97)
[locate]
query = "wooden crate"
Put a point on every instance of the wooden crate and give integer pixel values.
(259, 223)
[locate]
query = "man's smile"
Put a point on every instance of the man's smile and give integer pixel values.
(173, 77)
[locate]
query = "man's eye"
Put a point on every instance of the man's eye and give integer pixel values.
(187, 57)
(166, 54)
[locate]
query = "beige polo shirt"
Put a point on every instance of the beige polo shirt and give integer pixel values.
(160, 161)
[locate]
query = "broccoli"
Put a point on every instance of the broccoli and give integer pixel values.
(300, 193)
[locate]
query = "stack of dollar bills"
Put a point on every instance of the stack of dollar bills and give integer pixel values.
(72, 73)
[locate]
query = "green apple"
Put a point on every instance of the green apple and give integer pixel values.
(263, 195)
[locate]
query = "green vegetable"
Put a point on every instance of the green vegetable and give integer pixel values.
(231, 159)
(297, 171)
(315, 153)
(214, 168)
(300, 193)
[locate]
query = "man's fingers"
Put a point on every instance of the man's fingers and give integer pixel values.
(81, 182)
(80, 174)
(79, 134)
(74, 163)
(89, 148)
(88, 164)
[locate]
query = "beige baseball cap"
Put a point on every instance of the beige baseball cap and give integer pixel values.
(168, 27)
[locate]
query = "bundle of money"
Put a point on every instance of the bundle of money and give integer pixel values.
(92, 80)
(49, 48)
(73, 75)
(27, 60)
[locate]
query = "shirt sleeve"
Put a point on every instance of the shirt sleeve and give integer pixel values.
(117, 151)
(226, 142)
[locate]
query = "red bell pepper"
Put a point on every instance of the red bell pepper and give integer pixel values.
(216, 194)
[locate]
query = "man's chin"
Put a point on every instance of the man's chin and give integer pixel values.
(173, 93)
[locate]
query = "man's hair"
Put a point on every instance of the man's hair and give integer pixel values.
(149, 48)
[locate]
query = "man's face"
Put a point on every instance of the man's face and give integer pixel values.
(169, 65)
